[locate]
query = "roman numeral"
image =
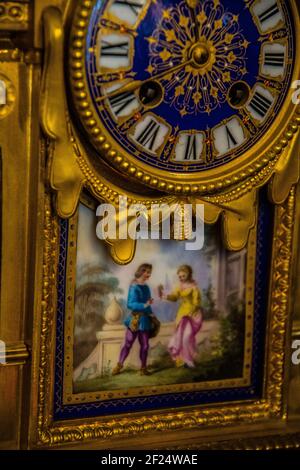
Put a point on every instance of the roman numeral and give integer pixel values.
(148, 136)
(232, 142)
(120, 49)
(267, 14)
(191, 148)
(260, 104)
(121, 101)
(274, 59)
(134, 6)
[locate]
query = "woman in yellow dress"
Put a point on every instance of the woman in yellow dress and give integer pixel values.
(182, 345)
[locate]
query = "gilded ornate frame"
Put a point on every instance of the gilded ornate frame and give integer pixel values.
(271, 409)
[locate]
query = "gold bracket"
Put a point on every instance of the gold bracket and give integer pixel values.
(65, 175)
(287, 172)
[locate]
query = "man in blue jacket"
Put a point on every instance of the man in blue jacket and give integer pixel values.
(140, 321)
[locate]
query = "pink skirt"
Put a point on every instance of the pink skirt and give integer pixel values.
(183, 343)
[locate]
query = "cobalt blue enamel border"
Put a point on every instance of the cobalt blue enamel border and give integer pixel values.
(125, 405)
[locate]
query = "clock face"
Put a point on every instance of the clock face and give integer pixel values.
(185, 86)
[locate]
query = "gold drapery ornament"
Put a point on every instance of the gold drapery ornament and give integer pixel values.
(65, 175)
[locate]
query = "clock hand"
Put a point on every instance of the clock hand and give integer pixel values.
(134, 85)
(116, 27)
(192, 7)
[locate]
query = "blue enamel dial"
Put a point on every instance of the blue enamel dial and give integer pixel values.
(185, 86)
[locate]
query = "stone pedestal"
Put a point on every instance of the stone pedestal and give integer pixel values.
(111, 340)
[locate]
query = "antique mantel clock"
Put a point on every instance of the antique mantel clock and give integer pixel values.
(164, 102)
